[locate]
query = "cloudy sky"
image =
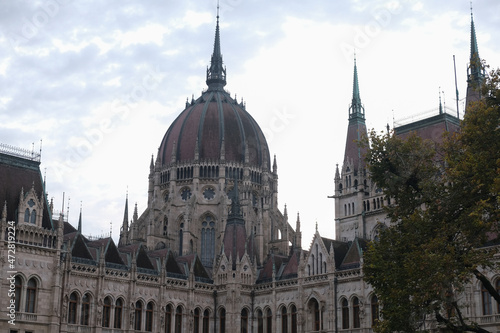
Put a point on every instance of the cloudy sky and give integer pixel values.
(99, 82)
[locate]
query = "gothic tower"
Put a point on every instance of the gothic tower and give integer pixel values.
(357, 202)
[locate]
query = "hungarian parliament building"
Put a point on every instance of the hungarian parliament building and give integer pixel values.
(211, 252)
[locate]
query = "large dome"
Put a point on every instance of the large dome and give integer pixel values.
(215, 127)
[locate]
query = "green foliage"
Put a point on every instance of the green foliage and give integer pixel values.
(446, 211)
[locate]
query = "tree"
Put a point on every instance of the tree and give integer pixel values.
(443, 223)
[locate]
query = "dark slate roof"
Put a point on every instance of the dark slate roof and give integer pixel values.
(143, 260)
(430, 128)
(80, 249)
(339, 249)
(353, 256)
(266, 273)
(18, 173)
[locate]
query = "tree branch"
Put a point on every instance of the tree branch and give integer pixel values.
(487, 285)
(462, 328)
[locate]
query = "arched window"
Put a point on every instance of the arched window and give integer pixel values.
(27, 215)
(244, 321)
(206, 321)
(293, 310)
(345, 210)
(345, 314)
(181, 234)
(33, 216)
(284, 320)
(85, 314)
(118, 313)
(269, 321)
(317, 318)
(375, 310)
(138, 316)
(355, 313)
(353, 208)
(168, 319)
(19, 287)
(486, 301)
(222, 320)
(178, 319)
(31, 296)
(149, 317)
(260, 322)
(320, 264)
(207, 241)
(196, 320)
(106, 312)
(73, 301)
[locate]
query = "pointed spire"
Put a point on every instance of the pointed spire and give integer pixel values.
(80, 219)
(136, 215)
(275, 165)
(152, 164)
(125, 214)
(356, 130)
(475, 72)
(216, 74)
(475, 60)
(356, 111)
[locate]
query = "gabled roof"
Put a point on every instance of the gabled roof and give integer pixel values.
(80, 249)
(353, 256)
(339, 249)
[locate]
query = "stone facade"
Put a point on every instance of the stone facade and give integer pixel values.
(212, 252)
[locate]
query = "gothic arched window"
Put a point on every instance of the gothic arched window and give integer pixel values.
(222, 320)
(207, 240)
(244, 321)
(31, 296)
(284, 320)
(138, 316)
(85, 314)
(33, 217)
(149, 317)
(355, 313)
(73, 302)
(118, 313)
(345, 314)
(106, 312)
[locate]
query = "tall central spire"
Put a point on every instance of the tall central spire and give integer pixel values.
(356, 111)
(356, 129)
(475, 72)
(216, 74)
(475, 60)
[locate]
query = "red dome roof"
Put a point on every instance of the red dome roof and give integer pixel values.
(213, 121)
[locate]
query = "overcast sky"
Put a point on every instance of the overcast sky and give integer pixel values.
(99, 82)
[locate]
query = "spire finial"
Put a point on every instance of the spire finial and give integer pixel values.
(216, 73)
